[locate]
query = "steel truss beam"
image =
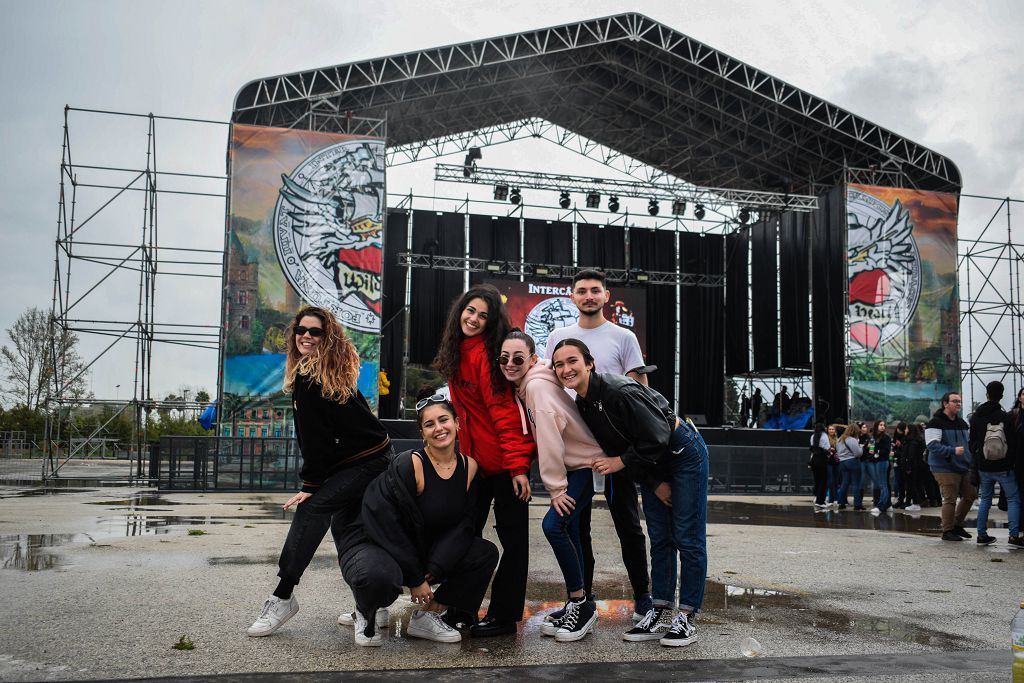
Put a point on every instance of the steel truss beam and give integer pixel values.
(715, 197)
(516, 268)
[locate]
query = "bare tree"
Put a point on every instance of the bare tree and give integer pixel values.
(33, 360)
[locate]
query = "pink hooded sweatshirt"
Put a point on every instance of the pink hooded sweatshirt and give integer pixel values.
(564, 442)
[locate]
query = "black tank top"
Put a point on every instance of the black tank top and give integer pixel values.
(442, 501)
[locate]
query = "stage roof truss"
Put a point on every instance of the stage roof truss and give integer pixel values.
(626, 83)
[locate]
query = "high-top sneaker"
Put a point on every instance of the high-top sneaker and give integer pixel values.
(579, 619)
(553, 621)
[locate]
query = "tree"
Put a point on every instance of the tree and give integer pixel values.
(33, 360)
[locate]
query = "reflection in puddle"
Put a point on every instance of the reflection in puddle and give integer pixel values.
(30, 552)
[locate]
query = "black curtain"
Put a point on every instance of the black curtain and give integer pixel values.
(764, 288)
(600, 246)
(702, 319)
(656, 250)
(396, 230)
(737, 303)
(828, 285)
(495, 239)
(440, 234)
(548, 242)
(794, 289)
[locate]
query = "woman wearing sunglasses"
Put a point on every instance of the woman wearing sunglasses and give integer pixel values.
(494, 433)
(668, 457)
(344, 447)
(566, 451)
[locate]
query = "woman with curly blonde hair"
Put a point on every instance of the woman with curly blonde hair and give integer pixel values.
(344, 447)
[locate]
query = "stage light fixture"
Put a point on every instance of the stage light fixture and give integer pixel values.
(541, 270)
(593, 200)
(652, 207)
(613, 203)
(501, 192)
(564, 201)
(640, 276)
(698, 212)
(493, 267)
(474, 153)
(469, 165)
(516, 197)
(678, 207)
(744, 215)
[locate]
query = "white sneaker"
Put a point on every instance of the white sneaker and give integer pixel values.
(363, 640)
(430, 625)
(913, 508)
(875, 511)
(274, 614)
(349, 618)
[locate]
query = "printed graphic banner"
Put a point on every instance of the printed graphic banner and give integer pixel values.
(539, 306)
(305, 226)
(902, 301)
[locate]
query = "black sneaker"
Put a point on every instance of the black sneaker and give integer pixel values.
(951, 536)
(681, 632)
(579, 619)
(457, 619)
(653, 626)
(553, 621)
(842, 506)
(488, 627)
(985, 539)
(1016, 542)
(859, 508)
(961, 532)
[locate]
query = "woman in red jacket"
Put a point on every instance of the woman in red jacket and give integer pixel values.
(494, 433)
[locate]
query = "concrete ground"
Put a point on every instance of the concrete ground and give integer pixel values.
(100, 583)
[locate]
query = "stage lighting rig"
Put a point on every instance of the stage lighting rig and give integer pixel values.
(678, 207)
(564, 201)
(593, 200)
(744, 215)
(469, 165)
(516, 197)
(698, 212)
(613, 203)
(652, 207)
(501, 192)
(493, 267)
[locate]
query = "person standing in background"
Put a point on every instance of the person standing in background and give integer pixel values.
(949, 458)
(993, 461)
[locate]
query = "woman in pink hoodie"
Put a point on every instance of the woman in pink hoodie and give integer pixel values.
(566, 450)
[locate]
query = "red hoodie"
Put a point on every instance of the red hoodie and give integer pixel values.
(493, 430)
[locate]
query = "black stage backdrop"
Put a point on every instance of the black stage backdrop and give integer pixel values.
(396, 230)
(548, 242)
(794, 286)
(495, 239)
(737, 303)
(442, 234)
(655, 250)
(600, 247)
(828, 270)
(764, 289)
(702, 319)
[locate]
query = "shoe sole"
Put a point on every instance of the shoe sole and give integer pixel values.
(987, 542)
(348, 619)
(370, 642)
(571, 636)
(281, 623)
(679, 642)
(641, 637)
(430, 635)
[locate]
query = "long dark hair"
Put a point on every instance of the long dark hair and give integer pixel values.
(498, 325)
(819, 429)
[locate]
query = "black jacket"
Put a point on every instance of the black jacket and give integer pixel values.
(631, 421)
(912, 455)
(332, 435)
(391, 519)
(990, 412)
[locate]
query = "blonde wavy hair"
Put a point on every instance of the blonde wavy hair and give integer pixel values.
(333, 364)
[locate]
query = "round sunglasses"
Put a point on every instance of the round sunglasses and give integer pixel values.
(515, 360)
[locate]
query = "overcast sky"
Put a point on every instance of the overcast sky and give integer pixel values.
(944, 74)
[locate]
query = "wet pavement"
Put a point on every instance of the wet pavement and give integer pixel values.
(101, 582)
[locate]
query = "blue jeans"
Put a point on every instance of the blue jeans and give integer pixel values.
(679, 533)
(563, 533)
(879, 473)
(849, 475)
(1008, 483)
(833, 483)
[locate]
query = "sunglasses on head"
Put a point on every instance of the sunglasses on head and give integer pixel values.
(515, 360)
(436, 398)
(299, 330)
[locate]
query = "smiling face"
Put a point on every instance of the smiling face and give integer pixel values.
(307, 343)
(590, 296)
(473, 320)
(570, 369)
(513, 350)
(438, 426)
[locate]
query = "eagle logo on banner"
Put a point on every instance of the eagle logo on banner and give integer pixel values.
(884, 271)
(328, 228)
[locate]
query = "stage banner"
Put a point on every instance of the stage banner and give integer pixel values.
(539, 306)
(902, 315)
(304, 226)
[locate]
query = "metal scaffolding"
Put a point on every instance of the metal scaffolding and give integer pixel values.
(104, 266)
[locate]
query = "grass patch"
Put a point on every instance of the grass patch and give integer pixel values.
(196, 532)
(184, 643)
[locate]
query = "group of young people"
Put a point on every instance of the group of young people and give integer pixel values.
(415, 520)
(945, 462)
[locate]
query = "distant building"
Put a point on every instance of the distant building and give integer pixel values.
(242, 294)
(260, 418)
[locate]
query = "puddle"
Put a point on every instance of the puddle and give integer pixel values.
(48, 491)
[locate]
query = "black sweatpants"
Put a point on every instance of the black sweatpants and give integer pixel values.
(512, 523)
(376, 579)
(335, 506)
(819, 469)
(620, 492)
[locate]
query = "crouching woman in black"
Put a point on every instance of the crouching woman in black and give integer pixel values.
(418, 518)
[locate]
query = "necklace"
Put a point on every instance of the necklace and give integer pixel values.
(437, 465)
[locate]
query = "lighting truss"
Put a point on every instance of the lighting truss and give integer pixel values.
(517, 268)
(712, 198)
